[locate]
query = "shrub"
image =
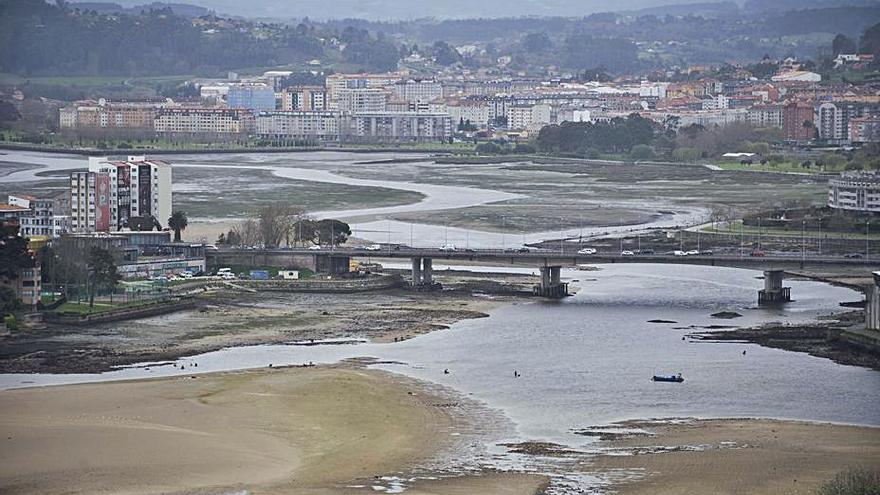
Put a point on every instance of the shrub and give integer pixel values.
(10, 322)
(854, 481)
(488, 148)
(641, 152)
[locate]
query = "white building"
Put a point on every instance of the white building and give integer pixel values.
(203, 121)
(362, 100)
(395, 127)
(765, 116)
(855, 192)
(797, 76)
(45, 217)
(320, 125)
(418, 91)
(528, 116)
(138, 188)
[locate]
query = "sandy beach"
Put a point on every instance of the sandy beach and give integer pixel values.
(737, 456)
(302, 430)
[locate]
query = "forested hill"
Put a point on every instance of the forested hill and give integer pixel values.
(37, 38)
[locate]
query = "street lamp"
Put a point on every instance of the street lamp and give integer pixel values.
(867, 238)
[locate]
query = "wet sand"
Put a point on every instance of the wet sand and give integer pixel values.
(311, 431)
(737, 456)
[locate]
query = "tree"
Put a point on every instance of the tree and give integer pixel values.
(445, 54)
(9, 301)
(870, 41)
(177, 222)
(102, 272)
(641, 152)
(842, 44)
(537, 42)
(14, 254)
(332, 232)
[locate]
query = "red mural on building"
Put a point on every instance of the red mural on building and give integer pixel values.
(102, 202)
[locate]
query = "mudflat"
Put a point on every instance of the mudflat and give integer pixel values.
(299, 430)
(737, 456)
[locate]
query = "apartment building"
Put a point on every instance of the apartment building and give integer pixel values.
(864, 130)
(256, 97)
(855, 192)
(338, 82)
(418, 91)
(304, 98)
(103, 115)
(528, 116)
(200, 120)
(797, 121)
(137, 188)
(765, 116)
(46, 217)
(320, 125)
(395, 127)
(362, 100)
(89, 202)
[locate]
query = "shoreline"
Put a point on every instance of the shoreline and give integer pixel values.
(199, 151)
(733, 455)
(322, 429)
(222, 320)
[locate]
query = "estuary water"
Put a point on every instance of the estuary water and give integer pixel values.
(588, 359)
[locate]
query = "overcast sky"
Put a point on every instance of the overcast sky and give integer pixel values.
(410, 9)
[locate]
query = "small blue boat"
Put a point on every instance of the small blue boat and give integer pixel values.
(668, 378)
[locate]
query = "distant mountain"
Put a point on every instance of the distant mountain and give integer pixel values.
(418, 9)
(785, 5)
(182, 9)
(705, 9)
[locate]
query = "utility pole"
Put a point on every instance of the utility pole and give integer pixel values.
(804, 240)
(411, 243)
(867, 238)
(503, 231)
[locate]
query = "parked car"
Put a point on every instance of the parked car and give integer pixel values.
(374, 247)
(756, 253)
(692, 252)
(360, 247)
(853, 255)
(645, 251)
(707, 252)
(521, 249)
(227, 275)
(627, 252)
(679, 253)
(185, 275)
(315, 248)
(587, 251)
(448, 247)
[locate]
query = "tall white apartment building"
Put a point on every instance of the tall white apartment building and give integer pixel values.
(362, 100)
(89, 202)
(418, 91)
(320, 125)
(138, 188)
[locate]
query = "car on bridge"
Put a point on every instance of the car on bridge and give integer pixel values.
(627, 252)
(315, 248)
(521, 249)
(587, 251)
(448, 248)
(373, 247)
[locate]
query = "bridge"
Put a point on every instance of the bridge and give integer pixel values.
(550, 263)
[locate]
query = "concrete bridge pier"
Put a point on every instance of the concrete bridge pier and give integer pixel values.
(551, 285)
(872, 305)
(416, 271)
(423, 273)
(773, 291)
(428, 272)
